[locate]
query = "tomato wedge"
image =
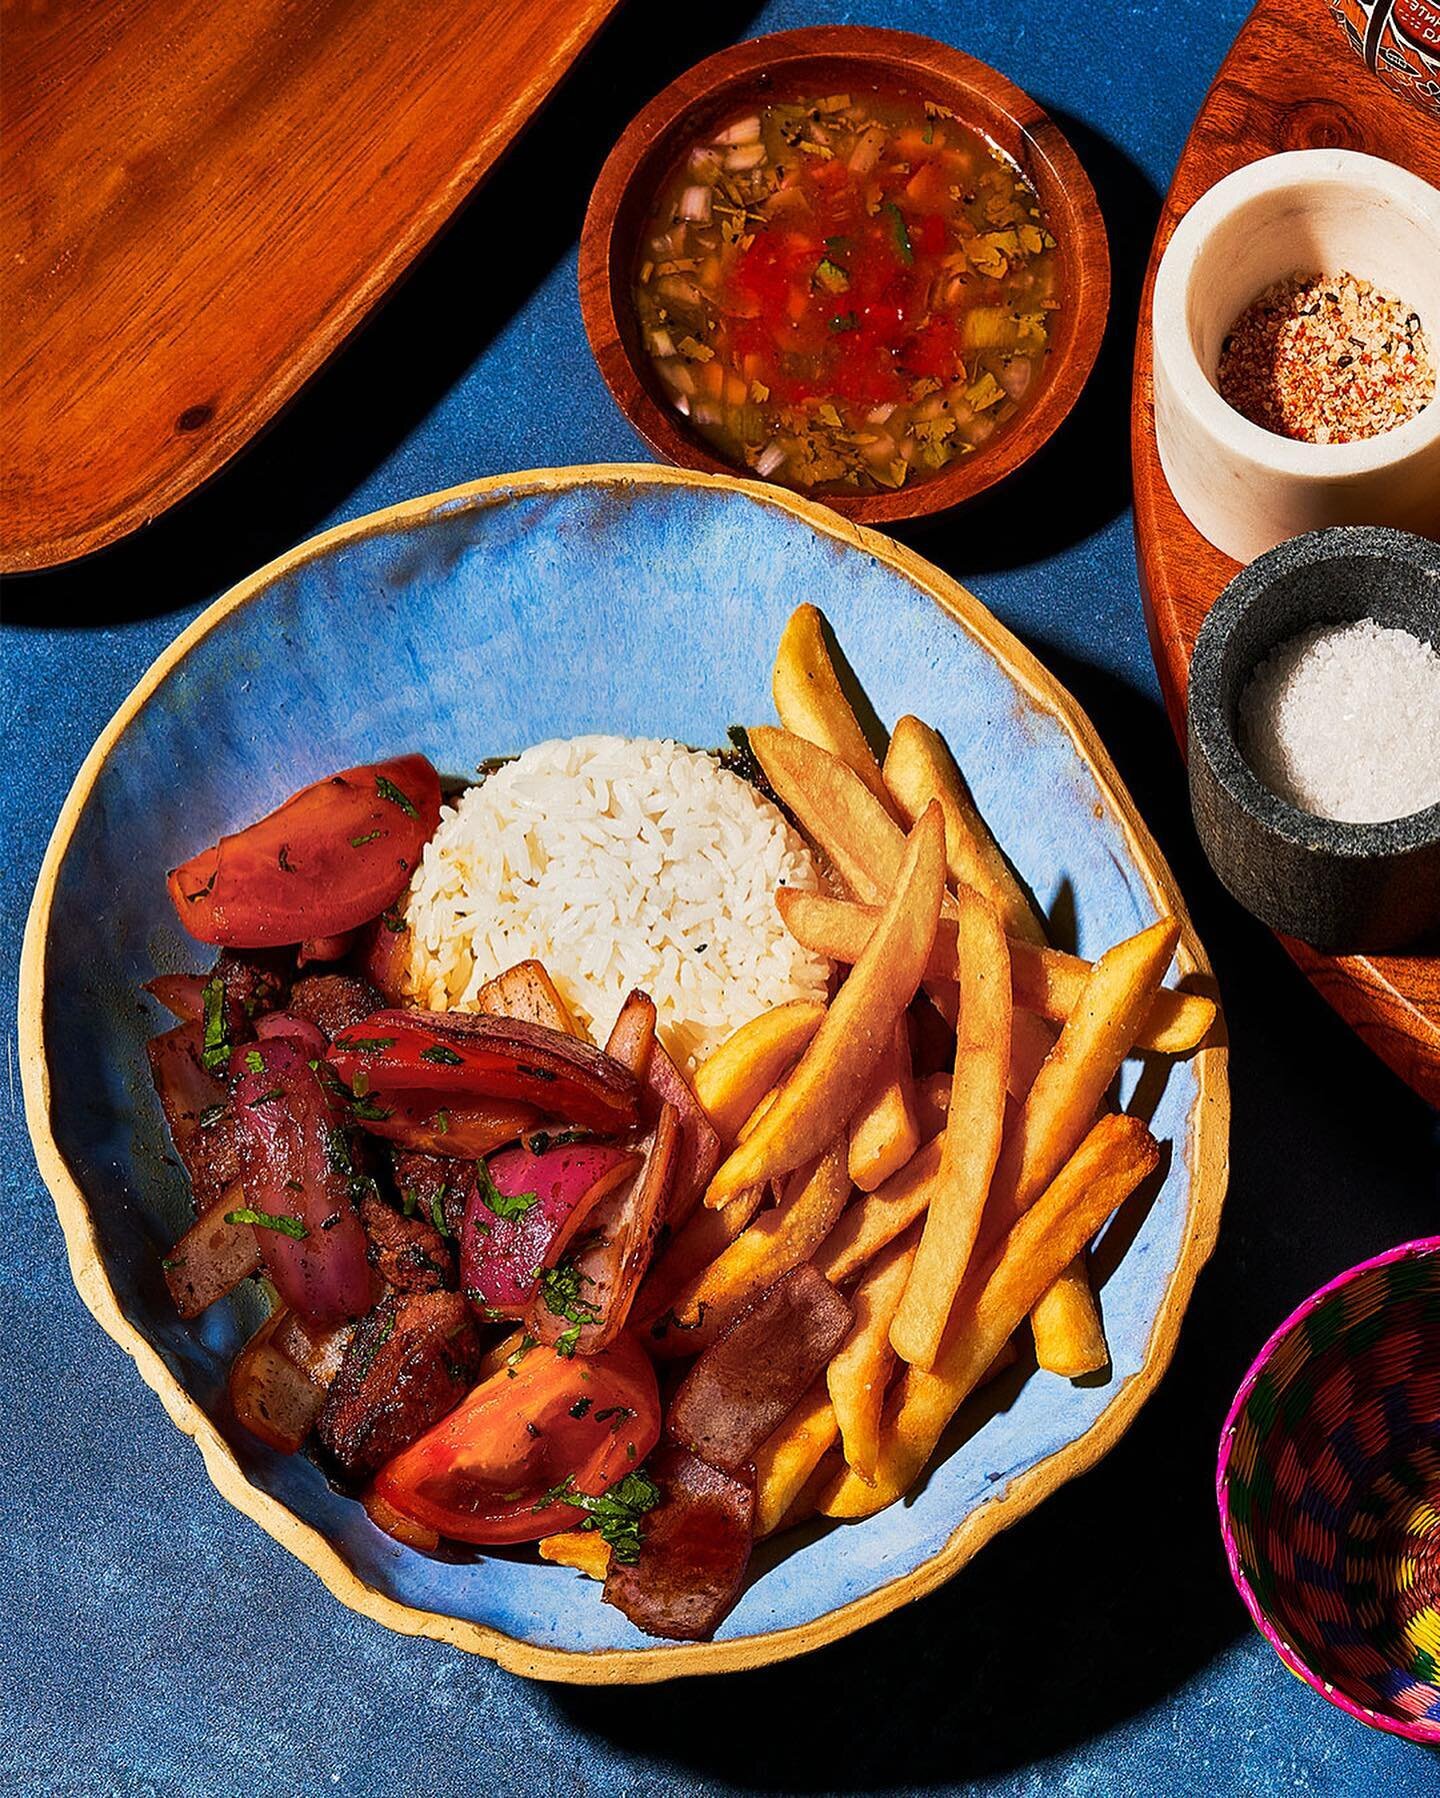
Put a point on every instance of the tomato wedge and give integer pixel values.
(467, 1057)
(483, 1472)
(330, 859)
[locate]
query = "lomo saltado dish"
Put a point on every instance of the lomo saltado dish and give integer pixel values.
(651, 1148)
(846, 292)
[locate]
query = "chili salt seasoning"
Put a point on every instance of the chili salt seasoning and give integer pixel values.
(1326, 359)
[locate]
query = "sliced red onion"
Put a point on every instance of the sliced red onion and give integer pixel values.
(297, 1179)
(500, 1256)
(285, 1024)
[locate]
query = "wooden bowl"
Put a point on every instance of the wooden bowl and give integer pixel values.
(825, 59)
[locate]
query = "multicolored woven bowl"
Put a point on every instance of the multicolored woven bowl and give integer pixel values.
(1329, 1491)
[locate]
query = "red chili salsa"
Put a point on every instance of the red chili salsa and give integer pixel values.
(847, 293)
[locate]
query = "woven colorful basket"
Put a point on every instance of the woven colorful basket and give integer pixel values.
(1329, 1491)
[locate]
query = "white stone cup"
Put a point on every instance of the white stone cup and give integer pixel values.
(1306, 212)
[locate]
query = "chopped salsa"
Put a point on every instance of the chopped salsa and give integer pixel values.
(847, 293)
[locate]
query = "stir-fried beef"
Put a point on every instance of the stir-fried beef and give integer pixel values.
(333, 1002)
(256, 980)
(425, 1178)
(411, 1360)
(408, 1253)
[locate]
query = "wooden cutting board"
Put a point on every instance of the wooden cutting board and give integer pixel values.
(200, 199)
(1290, 82)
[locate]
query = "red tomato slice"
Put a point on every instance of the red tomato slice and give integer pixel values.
(481, 1474)
(330, 859)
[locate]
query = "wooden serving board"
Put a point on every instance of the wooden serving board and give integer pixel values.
(1290, 82)
(201, 201)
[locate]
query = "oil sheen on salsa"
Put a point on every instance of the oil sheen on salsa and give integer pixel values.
(846, 292)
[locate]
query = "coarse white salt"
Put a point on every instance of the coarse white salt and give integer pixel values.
(1343, 721)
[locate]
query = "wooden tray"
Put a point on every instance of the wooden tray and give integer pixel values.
(1290, 82)
(200, 203)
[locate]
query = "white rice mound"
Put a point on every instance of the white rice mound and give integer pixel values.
(618, 863)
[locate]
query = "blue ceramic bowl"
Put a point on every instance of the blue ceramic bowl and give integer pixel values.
(638, 600)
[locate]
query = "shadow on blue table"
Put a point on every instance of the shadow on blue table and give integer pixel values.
(1109, 1597)
(412, 356)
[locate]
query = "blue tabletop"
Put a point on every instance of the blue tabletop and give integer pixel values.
(154, 1641)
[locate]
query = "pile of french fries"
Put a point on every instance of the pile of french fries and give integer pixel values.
(951, 1208)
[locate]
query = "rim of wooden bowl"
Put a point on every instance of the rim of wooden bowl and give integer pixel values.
(1206, 1147)
(984, 99)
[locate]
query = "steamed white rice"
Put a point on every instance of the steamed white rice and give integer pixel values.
(618, 863)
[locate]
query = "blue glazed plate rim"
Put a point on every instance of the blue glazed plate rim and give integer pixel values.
(1207, 1145)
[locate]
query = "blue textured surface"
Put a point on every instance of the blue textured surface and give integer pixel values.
(574, 606)
(153, 1642)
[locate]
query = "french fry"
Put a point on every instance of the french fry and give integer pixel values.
(971, 1144)
(807, 1500)
(858, 1375)
(1114, 1158)
(526, 991)
(778, 1240)
(1043, 981)
(883, 1132)
(732, 1080)
(1069, 1087)
(821, 1093)
(1069, 1339)
(873, 1221)
(811, 703)
(785, 1461)
(585, 1550)
(835, 808)
(919, 768)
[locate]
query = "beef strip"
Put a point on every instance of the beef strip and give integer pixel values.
(412, 1358)
(408, 1253)
(333, 1002)
(256, 980)
(425, 1178)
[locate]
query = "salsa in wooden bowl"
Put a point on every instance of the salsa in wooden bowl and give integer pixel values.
(849, 261)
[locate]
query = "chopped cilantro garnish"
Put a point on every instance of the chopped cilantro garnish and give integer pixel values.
(506, 1205)
(830, 277)
(255, 1061)
(847, 321)
(534, 1073)
(211, 1115)
(437, 1213)
(283, 859)
(560, 1289)
(616, 1513)
(443, 1057)
(216, 1051)
(275, 1092)
(900, 231)
(267, 1220)
(388, 790)
(360, 842)
(538, 1142)
(581, 1406)
(367, 1108)
(369, 1045)
(392, 920)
